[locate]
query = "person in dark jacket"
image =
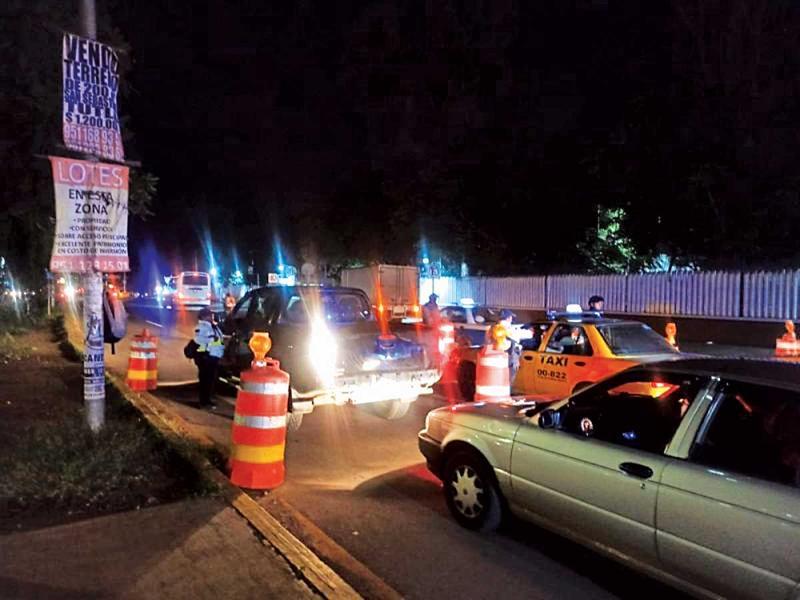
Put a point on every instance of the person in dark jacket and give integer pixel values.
(597, 304)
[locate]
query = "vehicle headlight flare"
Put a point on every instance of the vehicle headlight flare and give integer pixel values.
(323, 351)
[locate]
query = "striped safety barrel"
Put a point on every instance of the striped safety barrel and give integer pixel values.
(787, 347)
(143, 362)
(491, 376)
(259, 427)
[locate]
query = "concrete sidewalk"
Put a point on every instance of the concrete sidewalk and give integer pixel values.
(198, 548)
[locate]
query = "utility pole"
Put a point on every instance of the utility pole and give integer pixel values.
(94, 380)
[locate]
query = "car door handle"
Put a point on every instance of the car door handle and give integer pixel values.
(636, 470)
(527, 358)
(579, 363)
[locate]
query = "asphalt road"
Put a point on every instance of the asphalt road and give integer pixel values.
(362, 481)
(173, 327)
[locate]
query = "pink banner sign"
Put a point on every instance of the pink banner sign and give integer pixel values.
(91, 217)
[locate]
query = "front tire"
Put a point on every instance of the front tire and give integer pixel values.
(392, 409)
(471, 492)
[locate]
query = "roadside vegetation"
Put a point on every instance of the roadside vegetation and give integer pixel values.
(54, 468)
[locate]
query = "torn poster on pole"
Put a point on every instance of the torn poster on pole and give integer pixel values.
(91, 217)
(91, 113)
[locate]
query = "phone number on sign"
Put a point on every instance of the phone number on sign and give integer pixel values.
(81, 265)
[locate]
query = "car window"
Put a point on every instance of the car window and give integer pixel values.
(265, 308)
(194, 279)
(454, 314)
(753, 430)
(333, 307)
(489, 315)
(569, 339)
(626, 339)
(640, 410)
(241, 309)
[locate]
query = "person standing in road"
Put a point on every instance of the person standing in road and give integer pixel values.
(430, 312)
(210, 348)
(596, 304)
(671, 334)
(230, 302)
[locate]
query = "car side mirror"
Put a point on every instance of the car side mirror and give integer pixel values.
(548, 418)
(480, 319)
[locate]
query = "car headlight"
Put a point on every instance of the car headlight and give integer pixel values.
(322, 352)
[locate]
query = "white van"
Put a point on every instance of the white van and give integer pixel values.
(193, 288)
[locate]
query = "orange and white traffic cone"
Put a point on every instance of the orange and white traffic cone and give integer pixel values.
(492, 380)
(788, 345)
(259, 422)
(143, 362)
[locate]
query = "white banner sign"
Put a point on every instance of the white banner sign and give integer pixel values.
(91, 112)
(91, 217)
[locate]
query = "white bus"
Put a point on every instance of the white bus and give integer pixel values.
(193, 288)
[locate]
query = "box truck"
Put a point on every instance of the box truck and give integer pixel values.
(392, 289)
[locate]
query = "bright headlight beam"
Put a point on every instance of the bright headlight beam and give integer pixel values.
(323, 351)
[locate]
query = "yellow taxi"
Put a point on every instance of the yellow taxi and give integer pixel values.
(579, 349)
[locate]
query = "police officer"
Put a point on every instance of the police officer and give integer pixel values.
(208, 338)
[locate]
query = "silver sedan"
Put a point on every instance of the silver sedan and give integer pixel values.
(687, 470)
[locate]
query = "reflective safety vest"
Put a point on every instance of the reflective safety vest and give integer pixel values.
(209, 339)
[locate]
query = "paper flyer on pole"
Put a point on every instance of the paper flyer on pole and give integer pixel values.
(91, 217)
(90, 110)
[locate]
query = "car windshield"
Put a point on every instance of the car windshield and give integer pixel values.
(489, 315)
(627, 339)
(195, 279)
(333, 307)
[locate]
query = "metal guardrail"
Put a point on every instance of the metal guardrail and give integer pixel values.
(762, 295)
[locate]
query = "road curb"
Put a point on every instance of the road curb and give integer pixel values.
(307, 565)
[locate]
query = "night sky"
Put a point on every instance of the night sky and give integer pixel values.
(261, 113)
(519, 137)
